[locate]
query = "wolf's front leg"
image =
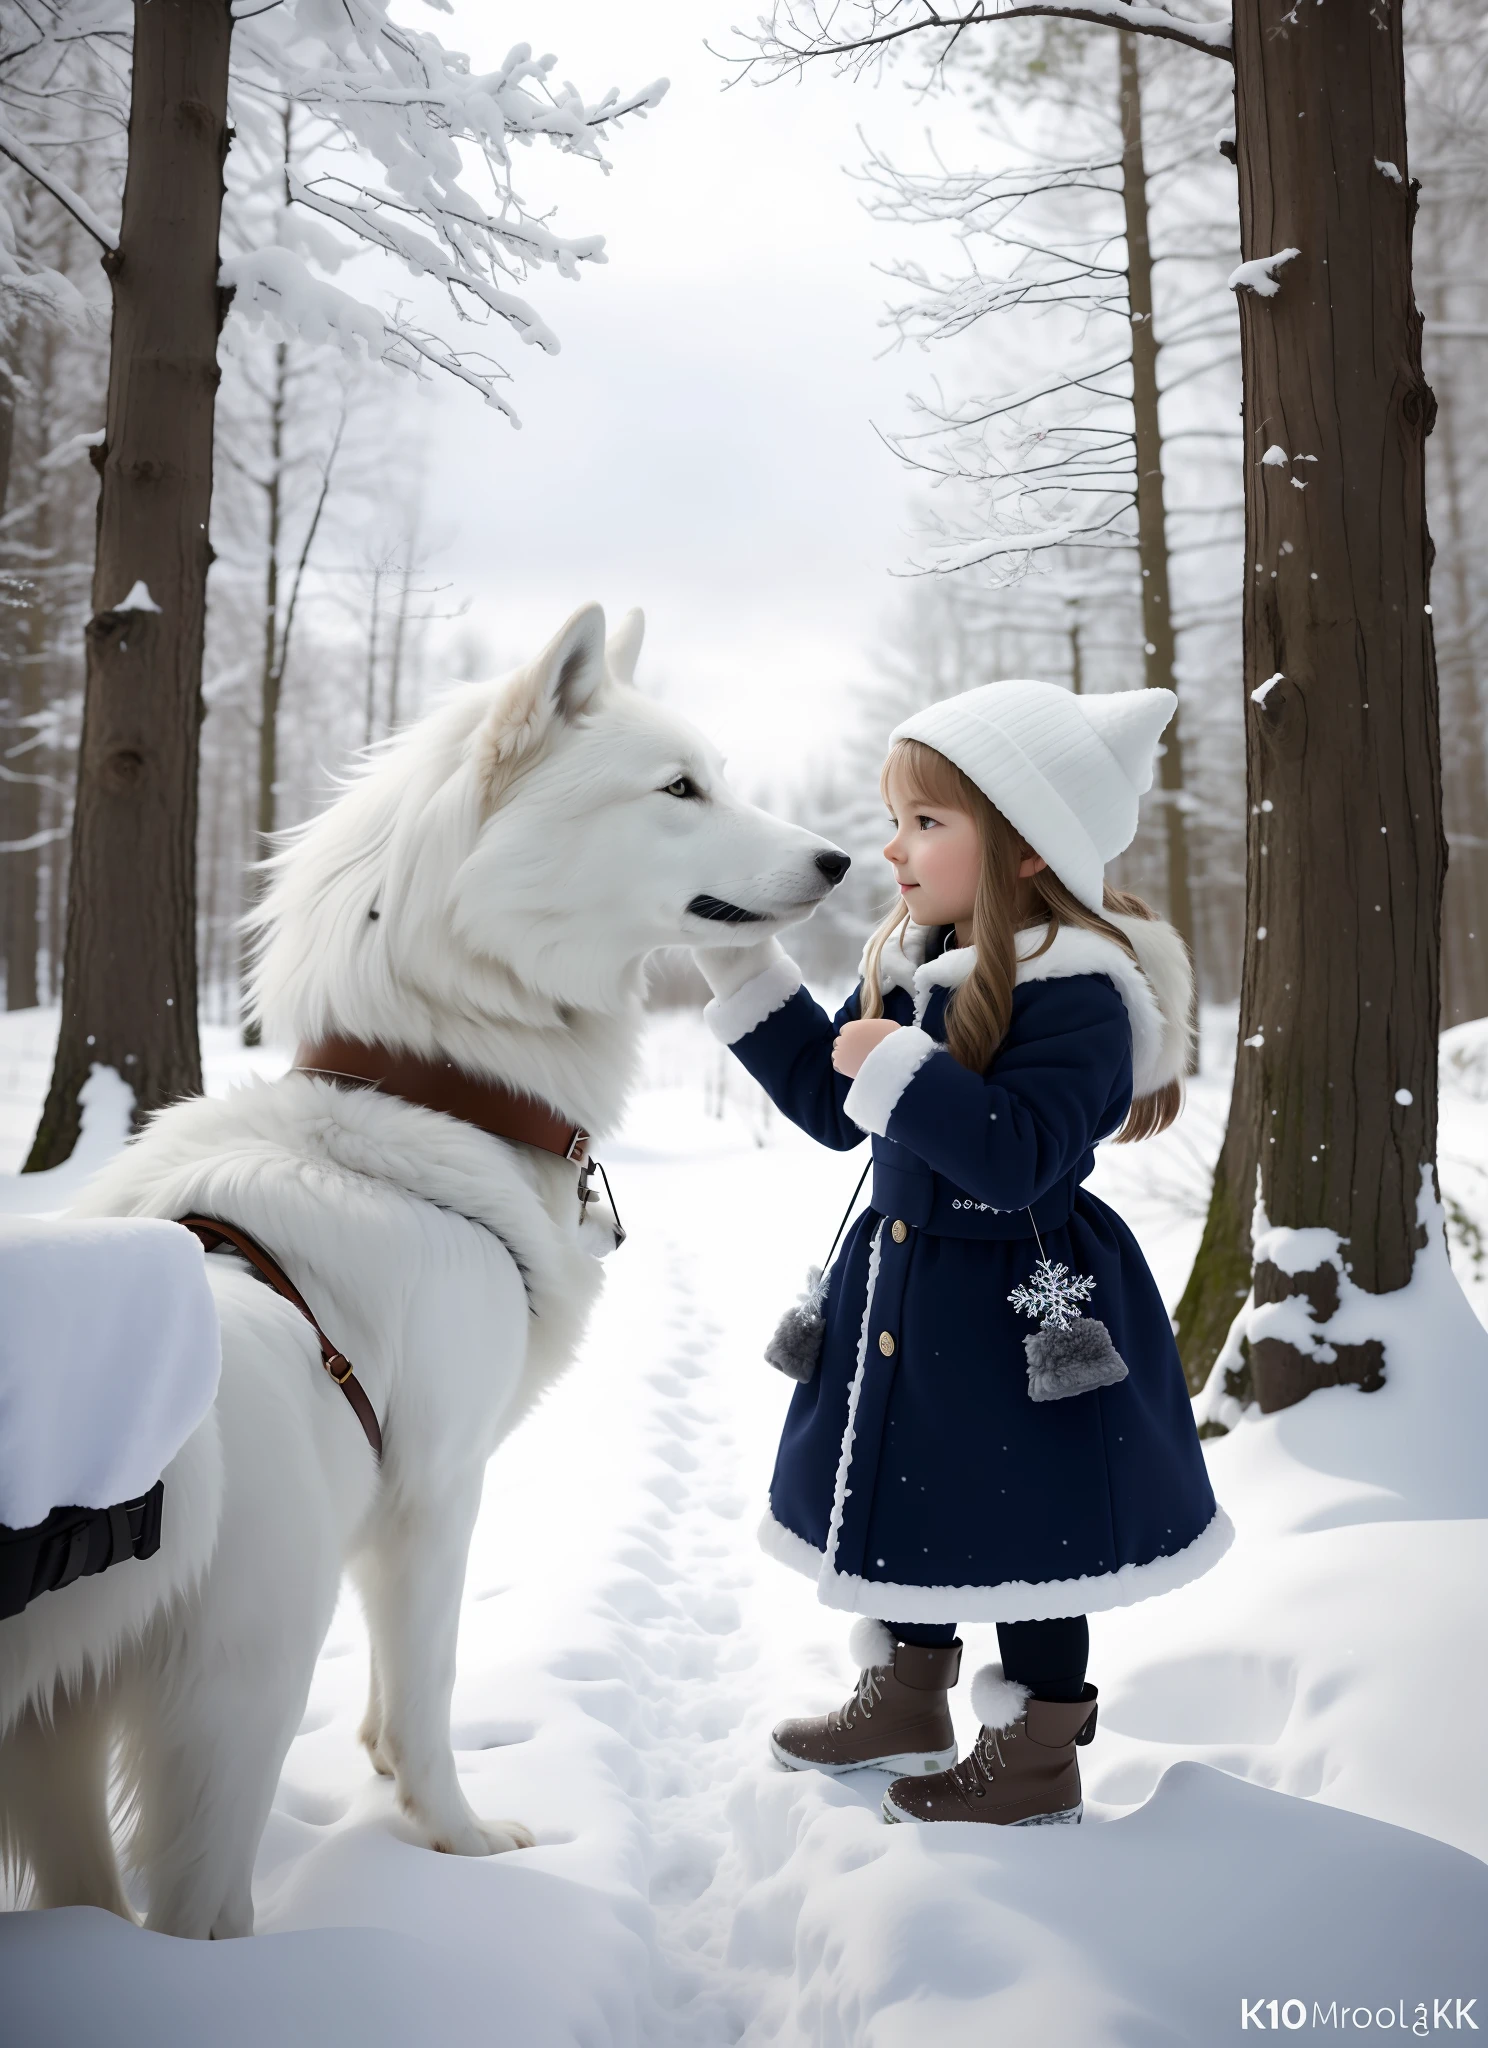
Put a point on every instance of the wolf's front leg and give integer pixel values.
(370, 1732)
(411, 1577)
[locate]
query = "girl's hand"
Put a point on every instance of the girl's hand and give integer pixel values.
(855, 1041)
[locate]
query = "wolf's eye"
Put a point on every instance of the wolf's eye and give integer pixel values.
(683, 786)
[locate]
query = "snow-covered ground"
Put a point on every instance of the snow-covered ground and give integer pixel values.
(1286, 1799)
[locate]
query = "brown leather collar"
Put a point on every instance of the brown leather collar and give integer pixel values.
(438, 1084)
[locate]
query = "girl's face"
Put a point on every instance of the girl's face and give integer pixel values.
(936, 855)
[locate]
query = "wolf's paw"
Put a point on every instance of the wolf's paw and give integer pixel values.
(369, 1735)
(483, 1838)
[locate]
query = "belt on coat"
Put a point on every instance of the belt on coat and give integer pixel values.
(934, 1206)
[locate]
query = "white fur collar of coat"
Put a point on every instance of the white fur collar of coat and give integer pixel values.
(1158, 994)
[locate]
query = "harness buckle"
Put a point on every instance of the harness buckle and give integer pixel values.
(339, 1358)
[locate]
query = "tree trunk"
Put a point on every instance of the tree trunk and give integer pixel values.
(9, 370)
(37, 622)
(1077, 657)
(1335, 1093)
(13, 808)
(1152, 526)
(272, 674)
(22, 868)
(400, 627)
(129, 973)
(371, 708)
(1465, 766)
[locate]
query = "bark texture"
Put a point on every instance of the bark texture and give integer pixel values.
(1336, 1068)
(129, 970)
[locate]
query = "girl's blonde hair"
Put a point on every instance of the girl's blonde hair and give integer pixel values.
(979, 1012)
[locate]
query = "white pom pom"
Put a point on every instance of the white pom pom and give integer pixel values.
(997, 1701)
(870, 1643)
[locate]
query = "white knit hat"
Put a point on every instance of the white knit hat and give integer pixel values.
(1065, 771)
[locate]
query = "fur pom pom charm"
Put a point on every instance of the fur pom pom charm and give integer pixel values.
(1068, 1353)
(795, 1348)
(870, 1644)
(1071, 1358)
(996, 1701)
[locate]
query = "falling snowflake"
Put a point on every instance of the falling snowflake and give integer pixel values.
(1054, 1294)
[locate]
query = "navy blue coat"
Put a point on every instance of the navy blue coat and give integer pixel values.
(916, 1480)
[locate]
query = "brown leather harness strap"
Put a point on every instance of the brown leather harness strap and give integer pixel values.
(439, 1084)
(212, 1233)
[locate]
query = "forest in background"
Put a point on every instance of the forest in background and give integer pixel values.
(1020, 457)
(1023, 442)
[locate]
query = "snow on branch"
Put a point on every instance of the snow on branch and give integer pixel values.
(1026, 473)
(854, 33)
(411, 128)
(274, 284)
(410, 150)
(1259, 274)
(21, 153)
(42, 289)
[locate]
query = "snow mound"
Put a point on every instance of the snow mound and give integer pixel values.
(1410, 1450)
(108, 1106)
(1285, 1797)
(1147, 1931)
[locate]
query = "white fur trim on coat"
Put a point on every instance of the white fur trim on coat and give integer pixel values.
(787, 1548)
(732, 1017)
(844, 1459)
(996, 1701)
(884, 1076)
(869, 1644)
(1158, 993)
(1015, 1599)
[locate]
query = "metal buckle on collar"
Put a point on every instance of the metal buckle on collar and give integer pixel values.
(338, 1358)
(588, 1194)
(578, 1147)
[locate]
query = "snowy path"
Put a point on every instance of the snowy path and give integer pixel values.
(625, 1647)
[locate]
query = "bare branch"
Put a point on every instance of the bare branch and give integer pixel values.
(797, 33)
(300, 565)
(12, 146)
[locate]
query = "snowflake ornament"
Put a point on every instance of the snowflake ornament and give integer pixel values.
(1054, 1294)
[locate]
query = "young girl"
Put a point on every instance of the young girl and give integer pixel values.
(1013, 1011)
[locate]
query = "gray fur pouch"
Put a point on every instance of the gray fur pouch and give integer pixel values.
(1073, 1360)
(795, 1348)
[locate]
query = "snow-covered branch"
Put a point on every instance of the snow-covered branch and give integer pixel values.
(411, 156)
(20, 152)
(854, 33)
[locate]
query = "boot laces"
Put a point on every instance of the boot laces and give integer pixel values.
(866, 1695)
(976, 1771)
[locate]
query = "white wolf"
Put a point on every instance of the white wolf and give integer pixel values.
(488, 889)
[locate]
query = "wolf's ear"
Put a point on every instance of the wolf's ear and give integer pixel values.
(557, 686)
(623, 648)
(572, 665)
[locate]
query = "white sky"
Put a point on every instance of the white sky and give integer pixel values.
(704, 445)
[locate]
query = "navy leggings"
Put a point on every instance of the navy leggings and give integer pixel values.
(1049, 1657)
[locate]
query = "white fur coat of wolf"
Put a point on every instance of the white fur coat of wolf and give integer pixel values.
(487, 889)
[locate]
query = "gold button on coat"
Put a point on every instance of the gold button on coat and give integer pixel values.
(885, 1343)
(898, 1230)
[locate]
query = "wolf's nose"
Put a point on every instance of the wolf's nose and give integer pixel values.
(833, 865)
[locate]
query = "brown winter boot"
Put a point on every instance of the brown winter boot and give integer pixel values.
(1022, 1770)
(898, 1718)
